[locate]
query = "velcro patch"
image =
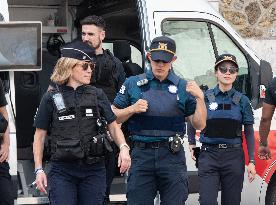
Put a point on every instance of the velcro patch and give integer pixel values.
(66, 117)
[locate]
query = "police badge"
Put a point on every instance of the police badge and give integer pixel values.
(172, 89)
(213, 106)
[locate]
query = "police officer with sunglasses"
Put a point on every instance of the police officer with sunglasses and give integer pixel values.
(156, 104)
(221, 160)
(72, 112)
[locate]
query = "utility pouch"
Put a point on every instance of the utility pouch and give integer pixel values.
(68, 150)
(175, 144)
(196, 154)
(97, 146)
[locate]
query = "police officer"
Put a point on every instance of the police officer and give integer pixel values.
(72, 112)
(5, 178)
(267, 113)
(109, 75)
(155, 104)
(109, 72)
(221, 160)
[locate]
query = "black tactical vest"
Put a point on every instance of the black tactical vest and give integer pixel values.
(73, 129)
(103, 75)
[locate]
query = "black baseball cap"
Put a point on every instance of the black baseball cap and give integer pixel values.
(79, 50)
(226, 57)
(162, 48)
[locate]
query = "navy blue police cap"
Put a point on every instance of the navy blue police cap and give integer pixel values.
(79, 50)
(162, 48)
(226, 57)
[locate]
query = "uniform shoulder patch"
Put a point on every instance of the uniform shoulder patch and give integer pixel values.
(122, 90)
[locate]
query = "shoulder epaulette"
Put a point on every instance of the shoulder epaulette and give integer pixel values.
(142, 79)
(237, 98)
(210, 95)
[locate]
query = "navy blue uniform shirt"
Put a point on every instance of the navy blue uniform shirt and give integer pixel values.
(245, 111)
(130, 93)
(44, 113)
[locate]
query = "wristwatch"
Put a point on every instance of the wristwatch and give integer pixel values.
(264, 144)
(252, 161)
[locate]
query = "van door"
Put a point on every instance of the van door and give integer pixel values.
(200, 38)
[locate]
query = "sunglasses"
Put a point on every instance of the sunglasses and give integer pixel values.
(231, 69)
(160, 61)
(86, 65)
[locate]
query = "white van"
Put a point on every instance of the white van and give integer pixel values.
(200, 32)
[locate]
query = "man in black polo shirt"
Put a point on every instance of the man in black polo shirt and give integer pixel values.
(267, 113)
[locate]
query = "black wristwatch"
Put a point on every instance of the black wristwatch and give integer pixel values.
(252, 161)
(264, 144)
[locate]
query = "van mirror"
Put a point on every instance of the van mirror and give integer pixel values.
(20, 46)
(265, 78)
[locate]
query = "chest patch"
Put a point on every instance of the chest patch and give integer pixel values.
(172, 89)
(66, 117)
(213, 106)
(89, 112)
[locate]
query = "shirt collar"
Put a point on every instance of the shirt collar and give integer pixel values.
(69, 88)
(172, 77)
(229, 92)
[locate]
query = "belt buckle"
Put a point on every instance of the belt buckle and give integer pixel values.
(222, 146)
(155, 145)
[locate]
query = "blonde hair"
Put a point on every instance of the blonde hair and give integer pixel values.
(62, 70)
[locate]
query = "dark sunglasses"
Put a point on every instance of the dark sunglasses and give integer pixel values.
(160, 61)
(86, 65)
(231, 69)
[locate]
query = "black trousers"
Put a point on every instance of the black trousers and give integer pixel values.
(5, 185)
(221, 167)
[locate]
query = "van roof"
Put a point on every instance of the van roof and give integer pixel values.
(187, 5)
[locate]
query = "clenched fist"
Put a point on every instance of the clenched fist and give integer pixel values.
(194, 90)
(140, 106)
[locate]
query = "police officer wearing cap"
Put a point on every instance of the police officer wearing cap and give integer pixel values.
(72, 112)
(5, 177)
(221, 160)
(155, 104)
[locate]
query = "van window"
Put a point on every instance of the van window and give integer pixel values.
(225, 45)
(196, 55)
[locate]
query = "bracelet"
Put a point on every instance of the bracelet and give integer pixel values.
(124, 144)
(252, 161)
(38, 170)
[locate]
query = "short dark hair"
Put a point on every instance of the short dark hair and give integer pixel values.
(94, 20)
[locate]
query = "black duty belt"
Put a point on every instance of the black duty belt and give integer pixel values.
(152, 145)
(220, 146)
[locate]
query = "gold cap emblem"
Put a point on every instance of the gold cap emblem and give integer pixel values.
(162, 46)
(228, 58)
